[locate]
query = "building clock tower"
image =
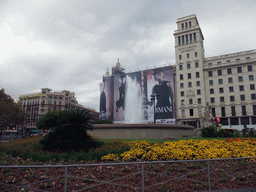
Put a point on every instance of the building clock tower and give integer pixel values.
(189, 53)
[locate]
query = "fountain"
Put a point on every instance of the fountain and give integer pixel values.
(133, 113)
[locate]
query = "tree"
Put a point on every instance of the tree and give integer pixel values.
(70, 133)
(10, 112)
(51, 119)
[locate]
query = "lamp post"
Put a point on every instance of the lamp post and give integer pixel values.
(153, 98)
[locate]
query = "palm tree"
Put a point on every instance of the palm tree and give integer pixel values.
(71, 133)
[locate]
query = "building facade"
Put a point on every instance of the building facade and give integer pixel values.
(221, 86)
(36, 105)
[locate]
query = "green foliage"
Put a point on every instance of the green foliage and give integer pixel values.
(52, 119)
(70, 132)
(10, 112)
(210, 131)
(248, 132)
(237, 133)
(29, 149)
(224, 133)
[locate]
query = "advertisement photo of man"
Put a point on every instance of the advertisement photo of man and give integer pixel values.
(164, 92)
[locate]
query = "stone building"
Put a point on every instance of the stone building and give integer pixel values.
(38, 104)
(222, 86)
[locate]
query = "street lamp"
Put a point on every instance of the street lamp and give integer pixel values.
(153, 98)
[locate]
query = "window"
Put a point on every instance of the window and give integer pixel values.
(183, 113)
(252, 87)
(198, 91)
(55, 102)
(242, 97)
(223, 113)
(186, 39)
(221, 90)
(191, 112)
(198, 83)
(233, 110)
(241, 88)
(182, 93)
(231, 89)
(209, 64)
(230, 80)
(240, 78)
(181, 76)
(190, 37)
(212, 100)
(188, 66)
(196, 64)
(190, 101)
(50, 102)
(239, 69)
(228, 61)
(210, 82)
(210, 73)
(188, 55)
(197, 74)
(189, 84)
(59, 102)
(60, 98)
(189, 23)
(249, 68)
(199, 100)
(179, 40)
(229, 71)
(195, 54)
(194, 37)
(199, 111)
(181, 85)
(243, 110)
(183, 41)
(182, 25)
(189, 75)
(180, 57)
(254, 109)
(186, 25)
(211, 91)
(182, 102)
(237, 60)
(219, 72)
(180, 67)
(222, 99)
(213, 112)
(220, 81)
(219, 63)
(232, 98)
(251, 78)
(50, 97)
(253, 96)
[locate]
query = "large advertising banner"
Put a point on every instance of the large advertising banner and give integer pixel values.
(119, 97)
(125, 95)
(160, 83)
(106, 92)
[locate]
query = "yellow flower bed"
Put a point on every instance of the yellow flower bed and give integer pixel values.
(187, 149)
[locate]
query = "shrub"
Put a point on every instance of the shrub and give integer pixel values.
(236, 133)
(71, 133)
(210, 131)
(224, 133)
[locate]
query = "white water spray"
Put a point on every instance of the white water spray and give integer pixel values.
(133, 102)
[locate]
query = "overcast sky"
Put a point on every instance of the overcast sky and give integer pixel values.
(69, 44)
